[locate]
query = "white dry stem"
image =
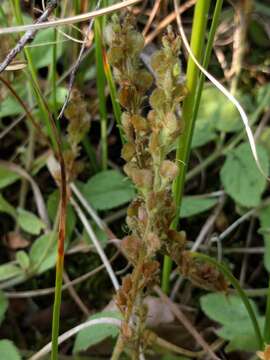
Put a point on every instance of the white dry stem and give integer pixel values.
(87, 206)
(224, 91)
(101, 321)
(95, 241)
(69, 20)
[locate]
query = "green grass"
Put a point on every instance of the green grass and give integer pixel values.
(184, 143)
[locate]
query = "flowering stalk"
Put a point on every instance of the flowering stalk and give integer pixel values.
(148, 152)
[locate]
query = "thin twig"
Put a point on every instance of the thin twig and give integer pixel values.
(40, 203)
(151, 17)
(169, 19)
(77, 64)
(95, 241)
(49, 291)
(101, 321)
(75, 296)
(29, 35)
(69, 20)
(187, 324)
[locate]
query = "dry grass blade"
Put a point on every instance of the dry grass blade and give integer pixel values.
(95, 241)
(104, 321)
(25, 38)
(69, 20)
(40, 203)
(183, 319)
(151, 17)
(168, 19)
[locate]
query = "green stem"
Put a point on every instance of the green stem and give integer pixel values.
(53, 77)
(101, 83)
(57, 306)
(267, 318)
(206, 60)
(113, 94)
(184, 144)
(227, 273)
(34, 79)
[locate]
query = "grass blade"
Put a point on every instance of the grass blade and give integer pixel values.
(183, 150)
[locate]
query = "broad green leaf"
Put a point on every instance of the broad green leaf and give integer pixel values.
(264, 139)
(108, 189)
(193, 205)
(3, 307)
(8, 271)
(97, 333)
(7, 177)
(7, 208)
(42, 55)
(264, 217)
(240, 176)
(43, 252)
(29, 222)
(8, 350)
(10, 107)
(230, 312)
(52, 205)
(204, 132)
(218, 111)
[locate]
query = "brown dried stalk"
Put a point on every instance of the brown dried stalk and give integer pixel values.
(147, 151)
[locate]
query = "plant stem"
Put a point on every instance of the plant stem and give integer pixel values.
(113, 93)
(227, 273)
(207, 56)
(34, 79)
(267, 318)
(101, 83)
(57, 305)
(184, 144)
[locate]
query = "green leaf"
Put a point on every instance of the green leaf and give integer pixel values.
(264, 217)
(193, 205)
(8, 271)
(7, 177)
(230, 312)
(264, 139)
(7, 208)
(96, 333)
(29, 222)
(108, 189)
(217, 110)
(52, 205)
(10, 107)
(9, 351)
(45, 249)
(240, 176)
(3, 307)
(42, 55)
(61, 93)
(23, 259)
(258, 33)
(204, 132)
